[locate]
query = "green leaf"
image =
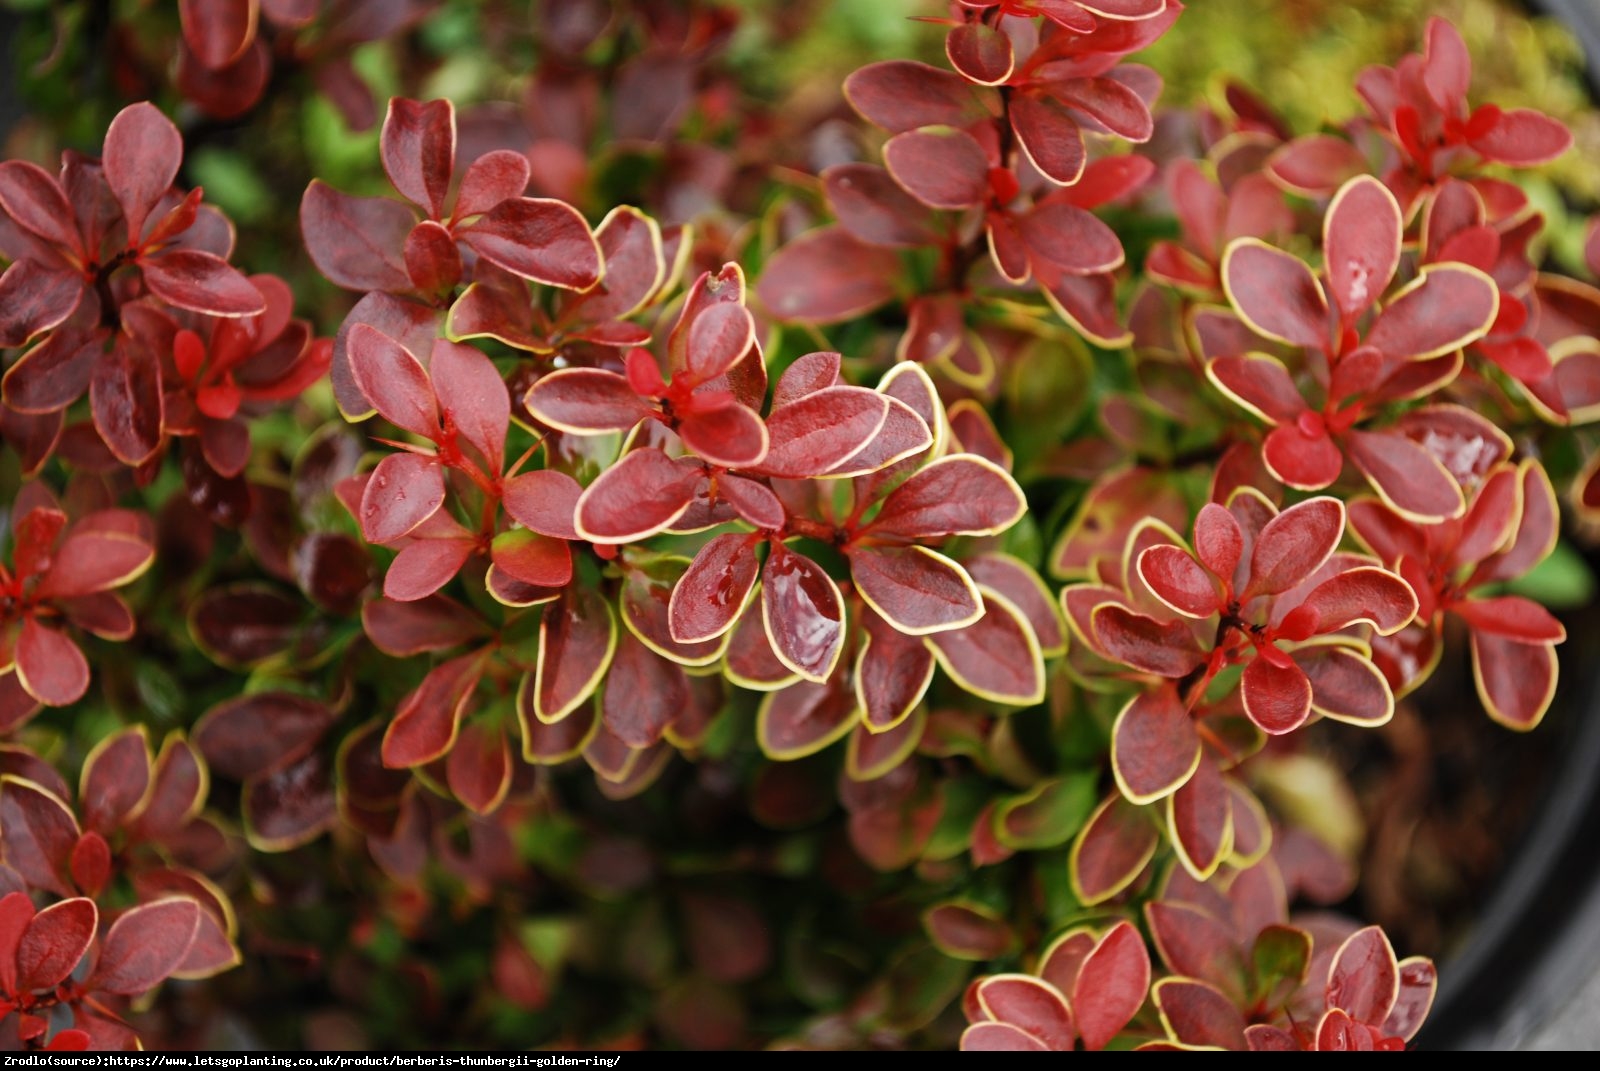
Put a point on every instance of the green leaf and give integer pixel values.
(1048, 815)
(1279, 962)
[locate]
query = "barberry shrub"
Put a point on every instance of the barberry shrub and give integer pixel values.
(856, 608)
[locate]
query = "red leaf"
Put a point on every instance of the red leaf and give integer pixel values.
(1022, 586)
(892, 674)
(1448, 307)
(479, 767)
(1418, 983)
(901, 95)
(473, 397)
(1218, 541)
(714, 589)
(643, 693)
(1259, 383)
(423, 566)
(941, 167)
(1030, 1005)
(1276, 697)
(999, 1037)
(718, 336)
(979, 52)
(255, 734)
(637, 497)
(1112, 850)
(90, 865)
(1070, 238)
(126, 399)
(1110, 103)
(749, 661)
(539, 239)
(89, 562)
(53, 943)
(40, 834)
(966, 931)
(1178, 580)
(115, 778)
(1512, 617)
(178, 785)
(919, 590)
(1167, 650)
(1446, 66)
(1374, 596)
(1275, 294)
(216, 31)
(826, 276)
(201, 282)
(902, 435)
(1200, 817)
(432, 259)
(532, 558)
(1524, 138)
(145, 945)
(434, 623)
(1304, 461)
(804, 718)
(143, 150)
(425, 725)
(394, 380)
(585, 401)
(493, 177)
(957, 495)
(357, 242)
(1362, 233)
(545, 501)
(1293, 545)
(418, 147)
(1364, 980)
(1154, 747)
(872, 207)
(803, 613)
(996, 657)
(577, 638)
(50, 667)
(753, 501)
(821, 431)
(33, 199)
(1050, 137)
(282, 810)
(1345, 686)
(728, 436)
(1111, 985)
(1516, 681)
(33, 299)
(1196, 1014)
(1406, 475)
(405, 490)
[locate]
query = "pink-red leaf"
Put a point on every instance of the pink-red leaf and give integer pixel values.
(1294, 544)
(141, 157)
(53, 943)
(941, 167)
(1361, 244)
(201, 282)
(638, 496)
(957, 495)
(539, 239)
(919, 590)
(826, 276)
(418, 147)
(145, 945)
(803, 613)
(1111, 985)
(712, 591)
(405, 490)
(1154, 746)
(1276, 697)
(1276, 294)
(821, 431)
